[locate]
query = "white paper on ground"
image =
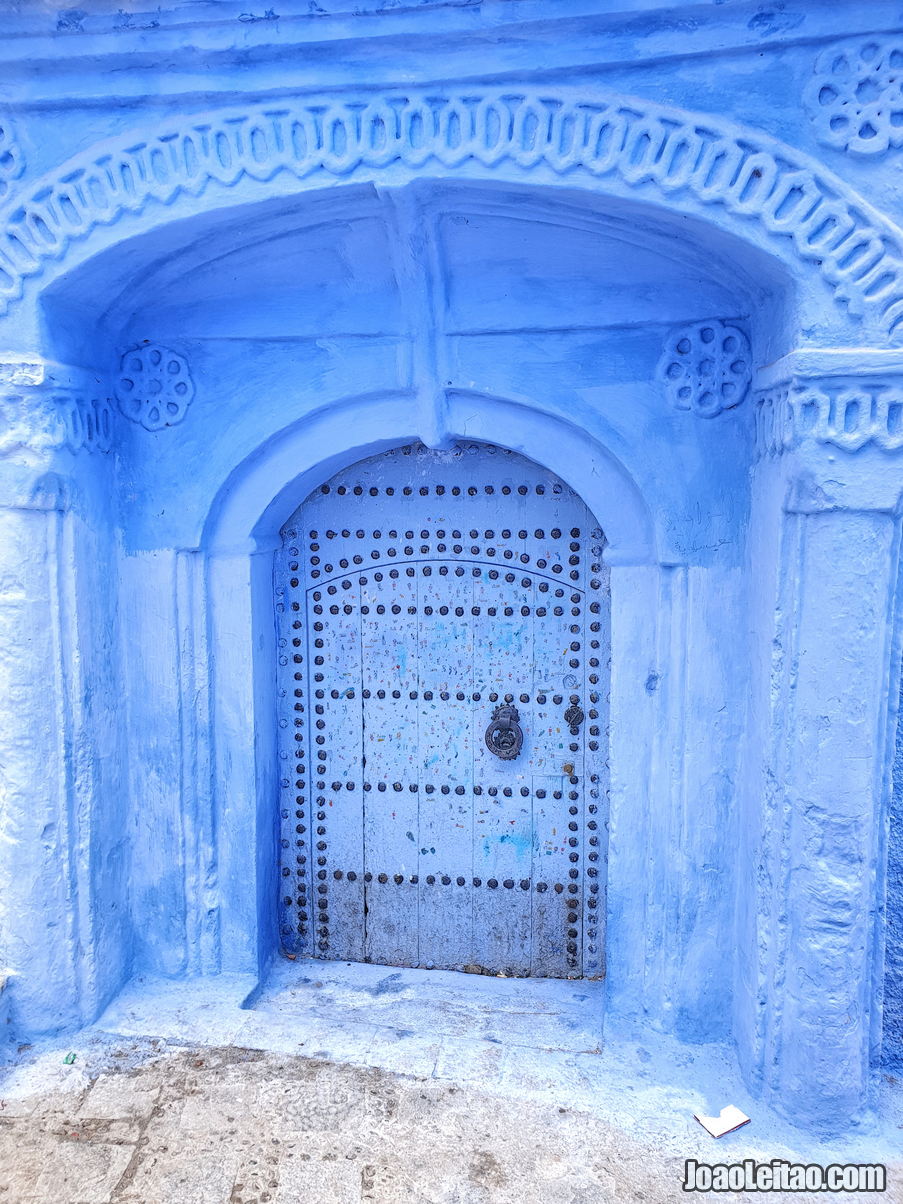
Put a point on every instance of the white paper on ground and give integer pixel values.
(726, 1121)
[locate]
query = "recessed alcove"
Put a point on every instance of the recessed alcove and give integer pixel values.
(355, 318)
(327, 263)
(545, 296)
(323, 328)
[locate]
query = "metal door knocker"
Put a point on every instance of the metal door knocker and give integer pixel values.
(573, 716)
(504, 736)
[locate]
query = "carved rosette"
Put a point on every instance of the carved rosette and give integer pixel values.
(706, 368)
(855, 97)
(154, 386)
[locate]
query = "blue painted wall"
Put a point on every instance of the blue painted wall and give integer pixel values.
(313, 295)
(893, 953)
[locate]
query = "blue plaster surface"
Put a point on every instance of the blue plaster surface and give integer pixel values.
(893, 953)
(326, 311)
(542, 299)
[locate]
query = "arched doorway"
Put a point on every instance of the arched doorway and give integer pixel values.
(443, 648)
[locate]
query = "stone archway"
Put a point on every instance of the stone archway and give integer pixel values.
(736, 179)
(235, 565)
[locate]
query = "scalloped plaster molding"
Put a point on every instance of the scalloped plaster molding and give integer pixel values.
(60, 419)
(846, 397)
(843, 412)
(856, 249)
(46, 407)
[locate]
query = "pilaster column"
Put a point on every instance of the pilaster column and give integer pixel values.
(829, 487)
(44, 864)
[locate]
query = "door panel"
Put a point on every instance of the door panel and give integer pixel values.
(415, 593)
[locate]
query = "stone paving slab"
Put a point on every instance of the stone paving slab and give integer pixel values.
(539, 1039)
(226, 1125)
(113, 1097)
(342, 1083)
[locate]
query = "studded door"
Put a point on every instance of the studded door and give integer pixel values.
(442, 623)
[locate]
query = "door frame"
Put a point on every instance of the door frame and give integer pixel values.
(234, 625)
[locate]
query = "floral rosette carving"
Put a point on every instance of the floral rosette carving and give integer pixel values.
(705, 368)
(855, 97)
(154, 386)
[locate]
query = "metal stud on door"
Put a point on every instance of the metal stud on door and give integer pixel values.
(443, 637)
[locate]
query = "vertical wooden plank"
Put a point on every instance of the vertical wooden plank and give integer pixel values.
(335, 726)
(295, 787)
(549, 748)
(550, 877)
(446, 765)
(558, 819)
(502, 642)
(503, 820)
(390, 680)
(503, 855)
(563, 685)
(574, 783)
(597, 628)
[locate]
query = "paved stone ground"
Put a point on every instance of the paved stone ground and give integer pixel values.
(337, 1083)
(146, 1122)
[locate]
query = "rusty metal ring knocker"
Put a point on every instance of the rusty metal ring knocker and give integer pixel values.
(573, 716)
(504, 736)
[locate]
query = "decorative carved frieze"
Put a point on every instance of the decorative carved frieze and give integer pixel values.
(586, 136)
(855, 97)
(154, 386)
(39, 421)
(705, 368)
(845, 412)
(87, 421)
(45, 407)
(12, 161)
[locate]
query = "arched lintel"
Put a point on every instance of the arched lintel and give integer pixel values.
(260, 494)
(741, 180)
(579, 457)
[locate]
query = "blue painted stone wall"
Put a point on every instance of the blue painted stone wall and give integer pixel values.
(893, 954)
(214, 298)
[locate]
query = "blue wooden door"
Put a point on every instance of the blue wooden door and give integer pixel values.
(416, 594)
